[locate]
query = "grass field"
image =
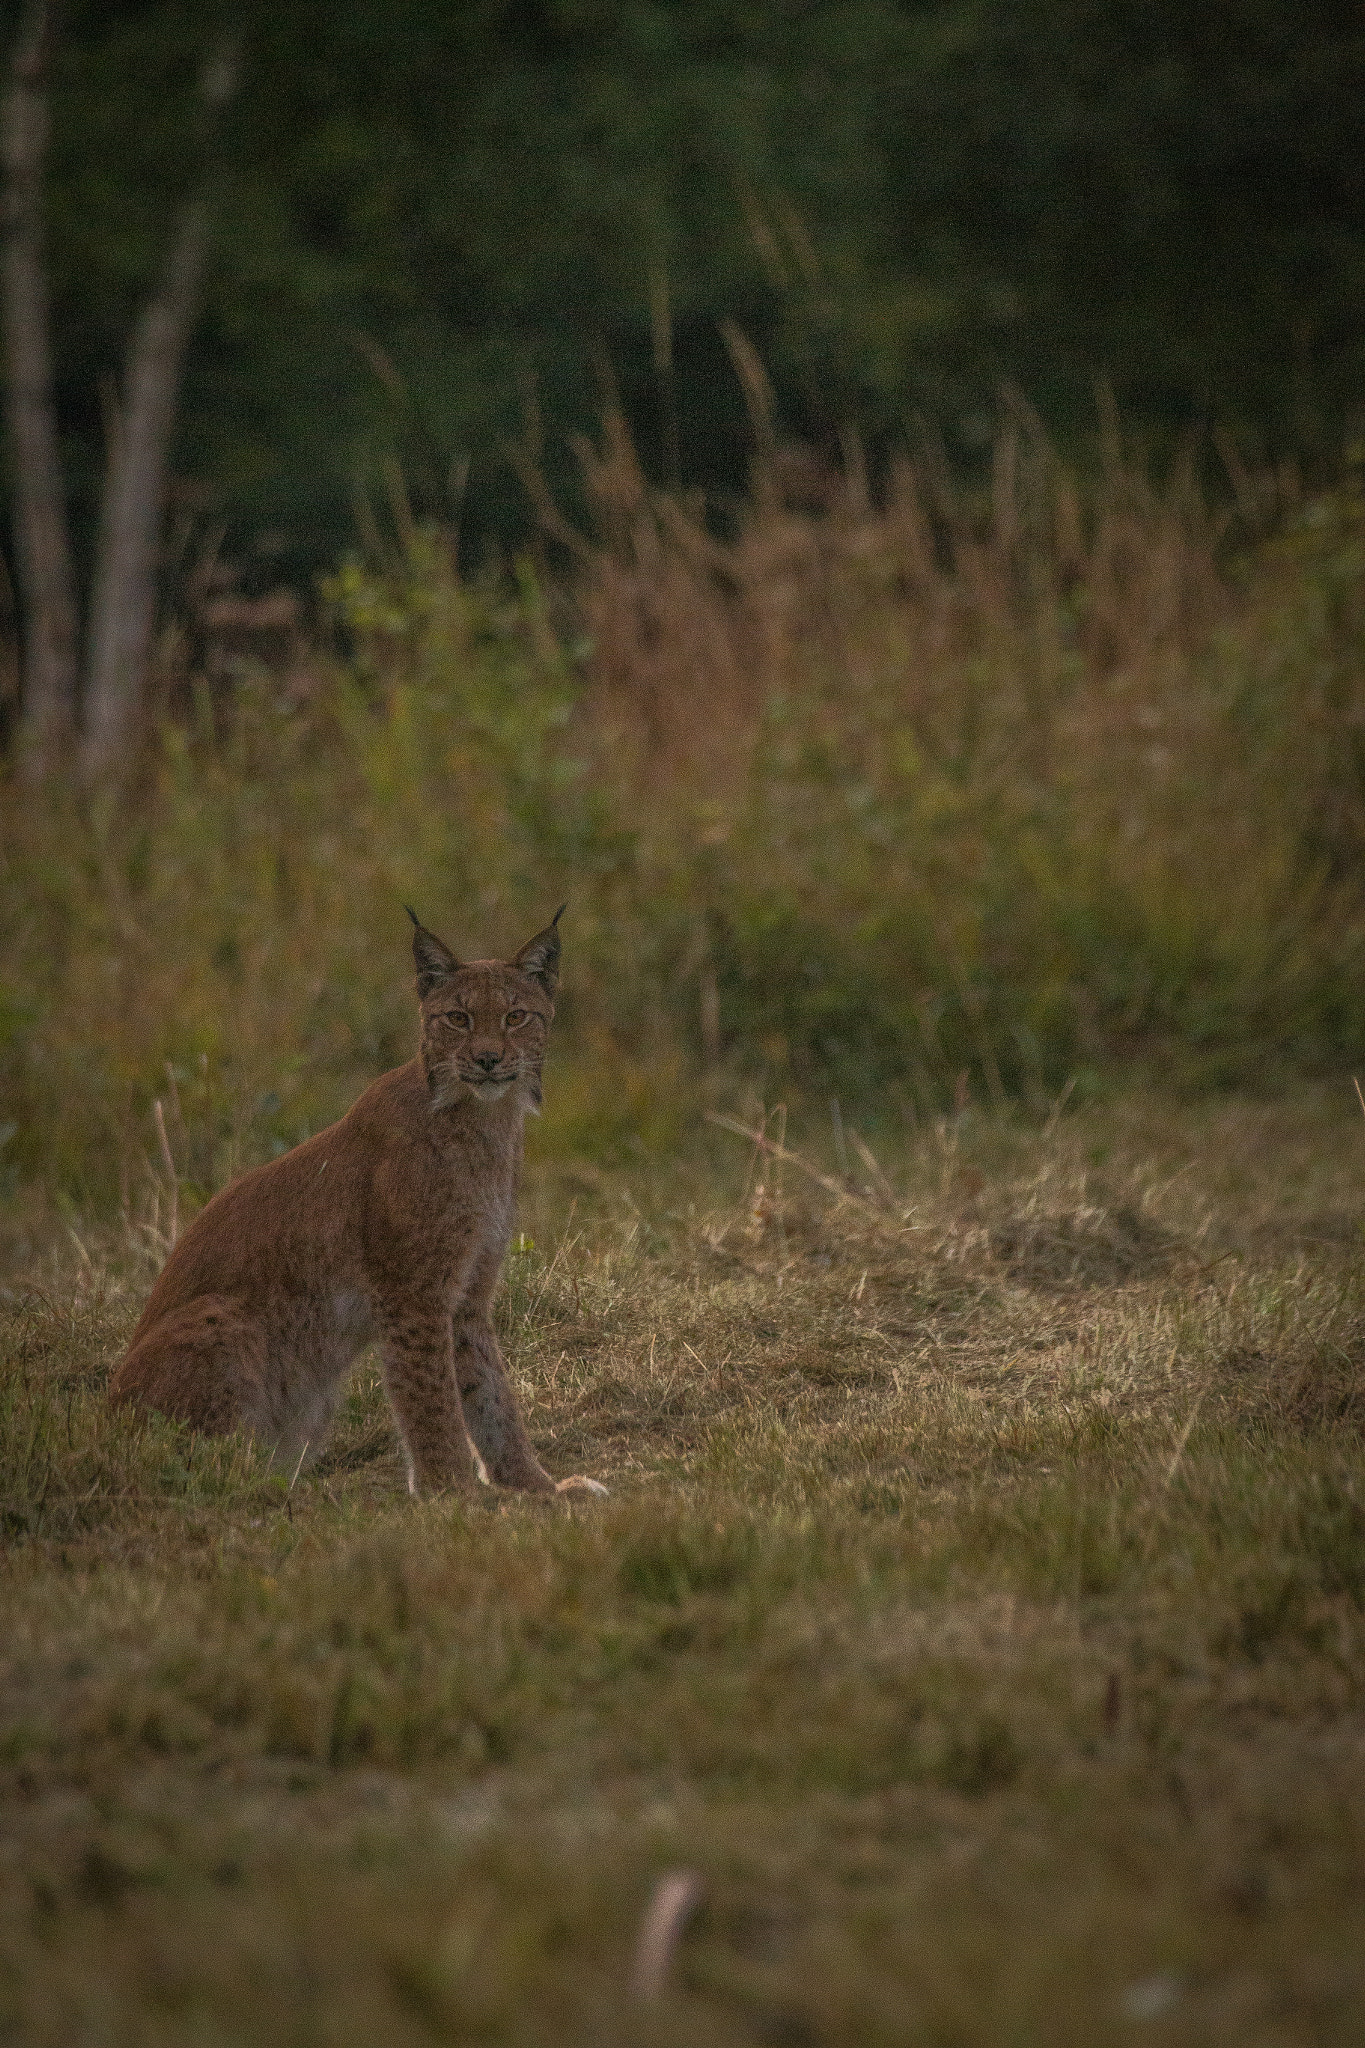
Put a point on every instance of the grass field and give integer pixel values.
(978, 1612)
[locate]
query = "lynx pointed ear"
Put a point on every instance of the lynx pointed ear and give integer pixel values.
(539, 957)
(434, 962)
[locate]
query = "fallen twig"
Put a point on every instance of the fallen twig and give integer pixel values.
(1184, 1438)
(763, 1143)
(172, 1177)
(672, 1903)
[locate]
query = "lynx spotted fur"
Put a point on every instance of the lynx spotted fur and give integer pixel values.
(391, 1226)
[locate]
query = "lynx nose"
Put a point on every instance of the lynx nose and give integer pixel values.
(487, 1060)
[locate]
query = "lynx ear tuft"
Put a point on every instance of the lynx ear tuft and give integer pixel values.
(434, 962)
(539, 957)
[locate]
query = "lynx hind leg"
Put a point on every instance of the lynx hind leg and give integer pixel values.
(493, 1418)
(204, 1365)
(303, 1436)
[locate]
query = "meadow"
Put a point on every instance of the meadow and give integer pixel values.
(943, 1237)
(977, 1612)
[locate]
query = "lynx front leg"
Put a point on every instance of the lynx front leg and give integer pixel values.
(419, 1378)
(490, 1407)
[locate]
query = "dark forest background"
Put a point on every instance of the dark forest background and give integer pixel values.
(442, 229)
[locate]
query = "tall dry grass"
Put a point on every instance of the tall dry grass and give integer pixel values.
(849, 793)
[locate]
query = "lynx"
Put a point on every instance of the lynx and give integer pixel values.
(391, 1225)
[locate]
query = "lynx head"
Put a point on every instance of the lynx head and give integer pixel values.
(484, 1022)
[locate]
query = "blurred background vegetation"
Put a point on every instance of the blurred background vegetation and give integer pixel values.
(863, 499)
(444, 228)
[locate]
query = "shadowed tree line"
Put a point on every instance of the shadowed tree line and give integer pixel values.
(262, 264)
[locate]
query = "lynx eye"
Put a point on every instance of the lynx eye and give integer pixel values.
(460, 1020)
(516, 1016)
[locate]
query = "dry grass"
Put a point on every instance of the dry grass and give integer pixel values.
(858, 799)
(978, 1610)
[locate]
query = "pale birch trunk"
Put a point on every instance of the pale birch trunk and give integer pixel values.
(123, 603)
(46, 580)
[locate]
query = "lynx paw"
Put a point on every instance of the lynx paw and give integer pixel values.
(578, 1484)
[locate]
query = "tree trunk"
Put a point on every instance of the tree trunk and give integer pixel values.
(123, 606)
(47, 583)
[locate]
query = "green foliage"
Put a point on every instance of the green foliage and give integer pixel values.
(442, 228)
